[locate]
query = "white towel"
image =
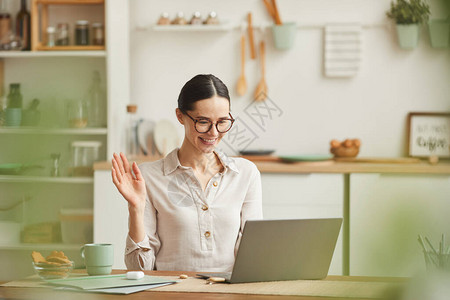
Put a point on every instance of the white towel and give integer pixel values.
(342, 53)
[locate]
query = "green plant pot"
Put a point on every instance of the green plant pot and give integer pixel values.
(284, 35)
(439, 33)
(408, 35)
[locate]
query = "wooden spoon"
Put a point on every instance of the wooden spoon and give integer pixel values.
(261, 89)
(242, 83)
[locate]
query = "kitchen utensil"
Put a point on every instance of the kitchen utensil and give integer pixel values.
(242, 82)
(166, 137)
(270, 10)
(276, 13)
(145, 131)
(294, 158)
(250, 36)
(257, 152)
(261, 88)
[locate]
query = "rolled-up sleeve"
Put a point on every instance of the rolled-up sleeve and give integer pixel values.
(141, 255)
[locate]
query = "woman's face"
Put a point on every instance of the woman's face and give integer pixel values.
(213, 109)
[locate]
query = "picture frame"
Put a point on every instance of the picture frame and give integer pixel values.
(429, 134)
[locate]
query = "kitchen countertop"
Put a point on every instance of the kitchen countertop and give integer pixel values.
(331, 166)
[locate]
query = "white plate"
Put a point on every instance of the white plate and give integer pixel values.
(145, 131)
(166, 137)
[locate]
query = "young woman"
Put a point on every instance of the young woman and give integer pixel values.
(187, 210)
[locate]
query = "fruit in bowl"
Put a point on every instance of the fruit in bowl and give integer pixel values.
(54, 266)
(346, 148)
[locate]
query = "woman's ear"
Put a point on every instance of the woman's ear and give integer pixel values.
(179, 115)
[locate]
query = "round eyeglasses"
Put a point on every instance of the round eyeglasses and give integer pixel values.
(203, 125)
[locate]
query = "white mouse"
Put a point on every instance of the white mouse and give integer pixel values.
(134, 275)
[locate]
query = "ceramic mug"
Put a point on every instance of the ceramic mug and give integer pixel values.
(98, 258)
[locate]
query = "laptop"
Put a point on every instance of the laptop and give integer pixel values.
(275, 250)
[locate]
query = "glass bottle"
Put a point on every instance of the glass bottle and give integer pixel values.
(5, 21)
(23, 25)
(14, 96)
(132, 148)
(96, 103)
(51, 40)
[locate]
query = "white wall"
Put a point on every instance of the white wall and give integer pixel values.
(371, 106)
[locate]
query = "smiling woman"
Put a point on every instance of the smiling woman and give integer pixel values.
(187, 211)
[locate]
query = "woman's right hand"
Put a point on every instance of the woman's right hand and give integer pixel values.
(131, 186)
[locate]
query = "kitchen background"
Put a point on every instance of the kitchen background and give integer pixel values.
(148, 68)
(372, 105)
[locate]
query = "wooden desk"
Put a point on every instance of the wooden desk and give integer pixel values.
(48, 294)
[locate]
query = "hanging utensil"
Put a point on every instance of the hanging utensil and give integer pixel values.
(261, 88)
(250, 36)
(242, 82)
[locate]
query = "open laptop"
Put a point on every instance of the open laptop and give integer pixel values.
(274, 250)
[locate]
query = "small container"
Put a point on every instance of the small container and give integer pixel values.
(76, 225)
(62, 34)
(82, 32)
(196, 19)
(84, 154)
(77, 113)
(212, 19)
(164, 19)
(98, 35)
(179, 19)
(48, 271)
(51, 36)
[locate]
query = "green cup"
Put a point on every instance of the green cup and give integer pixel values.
(98, 258)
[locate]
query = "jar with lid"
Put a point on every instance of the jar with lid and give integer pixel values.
(196, 19)
(179, 19)
(212, 19)
(164, 19)
(51, 38)
(132, 148)
(82, 32)
(84, 154)
(98, 35)
(62, 34)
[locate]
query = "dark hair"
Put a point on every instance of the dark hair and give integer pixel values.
(201, 87)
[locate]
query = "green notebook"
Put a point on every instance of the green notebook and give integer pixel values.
(110, 281)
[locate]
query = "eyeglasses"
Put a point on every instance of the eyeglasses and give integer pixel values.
(204, 125)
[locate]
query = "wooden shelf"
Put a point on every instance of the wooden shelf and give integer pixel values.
(56, 131)
(69, 2)
(30, 179)
(24, 54)
(71, 48)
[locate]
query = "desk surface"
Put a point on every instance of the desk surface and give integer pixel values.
(44, 293)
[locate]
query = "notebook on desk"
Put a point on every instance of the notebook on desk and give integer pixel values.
(274, 250)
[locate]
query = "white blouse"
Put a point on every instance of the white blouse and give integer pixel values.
(188, 229)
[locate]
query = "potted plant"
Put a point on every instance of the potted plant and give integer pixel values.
(439, 30)
(408, 15)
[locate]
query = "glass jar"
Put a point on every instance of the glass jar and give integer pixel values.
(196, 19)
(98, 35)
(84, 154)
(62, 34)
(164, 19)
(51, 37)
(82, 32)
(77, 113)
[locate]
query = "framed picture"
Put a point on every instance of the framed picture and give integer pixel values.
(429, 134)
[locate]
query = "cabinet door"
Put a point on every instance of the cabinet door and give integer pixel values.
(305, 196)
(110, 216)
(387, 213)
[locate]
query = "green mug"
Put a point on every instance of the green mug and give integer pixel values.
(98, 258)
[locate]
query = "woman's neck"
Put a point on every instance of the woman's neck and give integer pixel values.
(197, 160)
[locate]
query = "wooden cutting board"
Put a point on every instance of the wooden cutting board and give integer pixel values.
(379, 160)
